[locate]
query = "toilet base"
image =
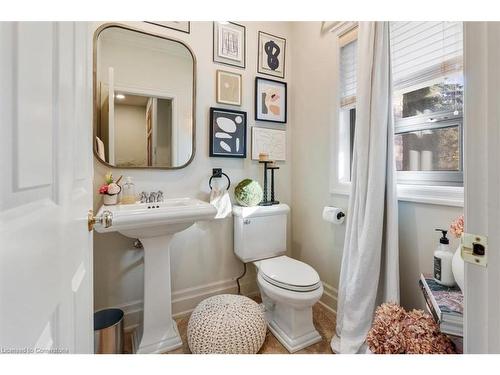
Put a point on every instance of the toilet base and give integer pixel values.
(294, 345)
(289, 315)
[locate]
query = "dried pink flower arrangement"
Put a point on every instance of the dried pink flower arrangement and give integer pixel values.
(395, 331)
(457, 226)
(110, 187)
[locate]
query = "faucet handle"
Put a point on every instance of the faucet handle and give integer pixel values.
(144, 197)
(159, 196)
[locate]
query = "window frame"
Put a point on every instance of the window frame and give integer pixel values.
(412, 190)
(431, 121)
(436, 178)
(339, 134)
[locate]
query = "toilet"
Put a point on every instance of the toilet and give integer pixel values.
(289, 288)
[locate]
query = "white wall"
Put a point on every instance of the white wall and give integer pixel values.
(417, 242)
(202, 256)
(314, 241)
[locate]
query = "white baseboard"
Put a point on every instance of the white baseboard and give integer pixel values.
(184, 301)
(132, 314)
(329, 297)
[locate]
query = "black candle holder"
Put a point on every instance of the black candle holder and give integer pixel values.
(272, 168)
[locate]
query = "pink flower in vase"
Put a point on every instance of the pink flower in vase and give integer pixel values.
(457, 226)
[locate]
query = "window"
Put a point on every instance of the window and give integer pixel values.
(428, 88)
(348, 56)
(428, 102)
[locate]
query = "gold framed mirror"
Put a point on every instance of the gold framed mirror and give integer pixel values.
(144, 99)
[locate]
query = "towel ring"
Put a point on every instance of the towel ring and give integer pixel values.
(217, 173)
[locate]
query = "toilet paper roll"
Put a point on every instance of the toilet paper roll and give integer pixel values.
(334, 215)
(414, 164)
(426, 160)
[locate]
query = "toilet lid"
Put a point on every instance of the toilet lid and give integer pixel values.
(288, 273)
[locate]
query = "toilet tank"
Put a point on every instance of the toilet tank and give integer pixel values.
(260, 232)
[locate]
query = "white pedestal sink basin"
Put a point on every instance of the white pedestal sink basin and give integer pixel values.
(155, 224)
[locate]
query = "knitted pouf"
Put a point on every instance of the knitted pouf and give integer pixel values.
(226, 324)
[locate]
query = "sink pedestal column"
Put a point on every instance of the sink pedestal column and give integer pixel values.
(159, 333)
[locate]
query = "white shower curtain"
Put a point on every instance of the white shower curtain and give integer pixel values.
(370, 265)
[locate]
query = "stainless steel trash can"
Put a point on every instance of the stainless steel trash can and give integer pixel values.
(108, 331)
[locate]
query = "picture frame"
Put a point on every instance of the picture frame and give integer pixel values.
(228, 133)
(271, 55)
(270, 100)
(229, 44)
(228, 88)
(269, 141)
(182, 26)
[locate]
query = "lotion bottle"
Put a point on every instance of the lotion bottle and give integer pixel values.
(443, 257)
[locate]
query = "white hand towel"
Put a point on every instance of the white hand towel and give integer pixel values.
(100, 148)
(219, 198)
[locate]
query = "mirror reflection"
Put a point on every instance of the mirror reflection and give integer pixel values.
(143, 100)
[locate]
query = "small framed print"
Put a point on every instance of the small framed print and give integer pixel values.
(270, 100)
(228, 88)
(271, 55)
(228, 133)
(269, 141)
(184, 26)
(229, 44)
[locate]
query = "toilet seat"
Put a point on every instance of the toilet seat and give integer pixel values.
(289, 274)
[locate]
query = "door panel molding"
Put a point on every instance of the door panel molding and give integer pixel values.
(46, 188)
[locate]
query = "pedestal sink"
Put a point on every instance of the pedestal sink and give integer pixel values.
(155, 224)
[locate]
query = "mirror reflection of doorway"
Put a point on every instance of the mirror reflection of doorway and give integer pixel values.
(143, 130)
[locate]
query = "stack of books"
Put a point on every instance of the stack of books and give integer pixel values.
(445, 304)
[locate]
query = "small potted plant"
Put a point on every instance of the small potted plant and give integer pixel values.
(110, 190)
(457, 264)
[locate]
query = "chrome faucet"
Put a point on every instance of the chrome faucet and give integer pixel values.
(144, 197)
(159, 196)
(152, 197)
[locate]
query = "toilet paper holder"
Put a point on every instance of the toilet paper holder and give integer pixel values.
(334, 215)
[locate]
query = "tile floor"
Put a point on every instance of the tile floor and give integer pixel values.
(324, 321)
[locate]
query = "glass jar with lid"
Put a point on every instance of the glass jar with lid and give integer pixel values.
(128, 192)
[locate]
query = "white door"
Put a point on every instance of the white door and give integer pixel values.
(46, 188)
(482, 183)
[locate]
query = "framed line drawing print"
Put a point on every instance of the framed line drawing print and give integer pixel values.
(269, 141)
(229, 43)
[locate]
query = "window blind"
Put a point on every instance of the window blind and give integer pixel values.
(422, 51)
(348, 64)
